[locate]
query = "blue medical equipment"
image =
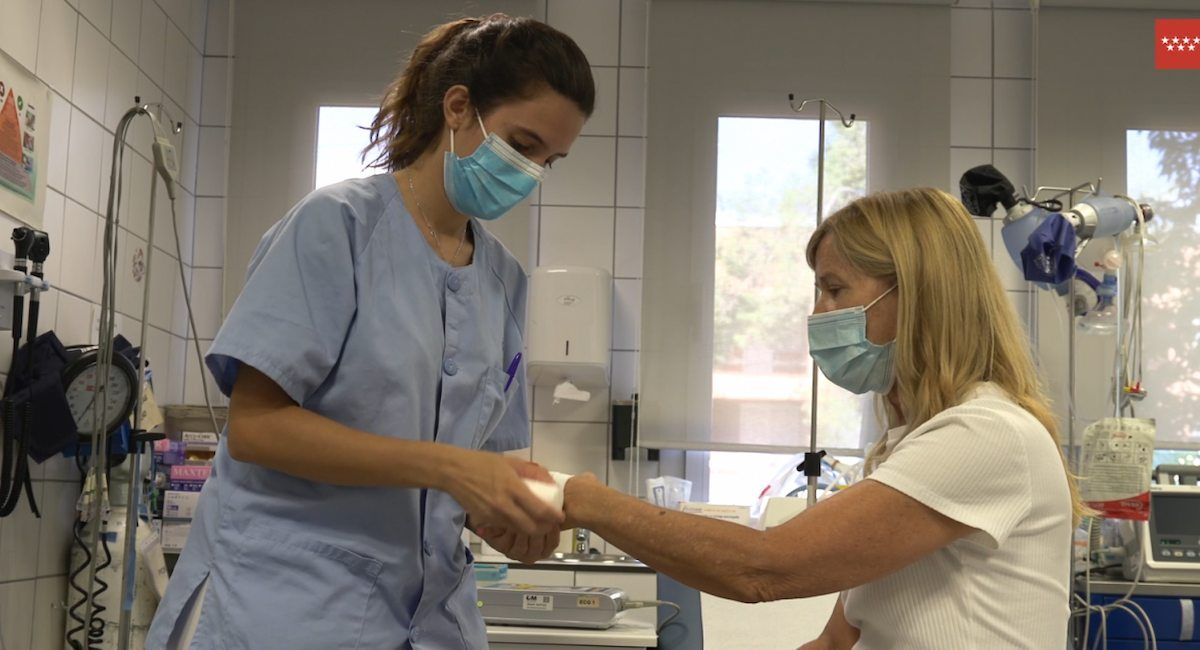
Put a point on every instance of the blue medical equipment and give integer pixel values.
(1049, 255)
(1170, 608)
(1041, 236)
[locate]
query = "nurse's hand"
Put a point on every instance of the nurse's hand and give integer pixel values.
(490, 488)
(522, 548)
(528, 469)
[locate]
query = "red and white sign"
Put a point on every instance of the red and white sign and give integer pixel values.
(1177, 44)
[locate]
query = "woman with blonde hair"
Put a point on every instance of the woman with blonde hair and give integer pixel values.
(958, 535)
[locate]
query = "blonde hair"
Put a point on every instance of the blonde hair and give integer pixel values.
(955, 326)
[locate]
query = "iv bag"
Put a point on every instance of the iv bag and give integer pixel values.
(1118, 458)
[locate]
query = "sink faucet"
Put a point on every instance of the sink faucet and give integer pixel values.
(582, 541)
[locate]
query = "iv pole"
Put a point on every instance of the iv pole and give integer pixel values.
(812, 458)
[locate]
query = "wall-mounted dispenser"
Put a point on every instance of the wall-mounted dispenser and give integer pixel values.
(570, 330)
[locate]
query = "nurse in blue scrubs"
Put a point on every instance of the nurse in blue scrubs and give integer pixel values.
(370, 367)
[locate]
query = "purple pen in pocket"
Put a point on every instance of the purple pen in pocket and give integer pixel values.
(512, 371)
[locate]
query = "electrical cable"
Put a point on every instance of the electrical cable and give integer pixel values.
(30, 246)
(1149, 623)
(1131, 354)
(165, 165)
(9, 472)
(73, 611)
(642, 604)
(133, 489)
(107, 316)
(1125, 603)
(9, 469)
(96, 624)
(1137, 621)
(187, 300)
(77, 535)
(1127, 378)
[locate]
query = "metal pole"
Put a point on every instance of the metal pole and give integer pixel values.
(129, 562)
(812, 434)
(812, 458)
(1118, 367)
(1071, 449)
(1074, 454)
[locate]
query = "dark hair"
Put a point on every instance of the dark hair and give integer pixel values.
(497, 58)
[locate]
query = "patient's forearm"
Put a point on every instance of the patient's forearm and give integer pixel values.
(716, 557)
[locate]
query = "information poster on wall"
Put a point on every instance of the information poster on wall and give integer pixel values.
(24, 142)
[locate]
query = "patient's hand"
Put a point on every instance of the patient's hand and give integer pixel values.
(583, 491)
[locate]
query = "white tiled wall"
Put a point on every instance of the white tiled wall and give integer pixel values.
(590, 212)
(96, 55)
(991, 110)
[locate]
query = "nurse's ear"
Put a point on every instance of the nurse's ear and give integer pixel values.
(457, 109)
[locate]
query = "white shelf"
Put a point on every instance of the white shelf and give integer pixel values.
(625, 634)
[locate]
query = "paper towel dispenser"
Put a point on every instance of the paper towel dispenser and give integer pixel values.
(570, 326)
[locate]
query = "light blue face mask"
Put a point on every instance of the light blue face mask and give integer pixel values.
(837, 341)
(491, 181)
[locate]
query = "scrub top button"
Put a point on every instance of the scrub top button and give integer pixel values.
(428, 549)
(415, 635)
(450, 367)
(454, 283)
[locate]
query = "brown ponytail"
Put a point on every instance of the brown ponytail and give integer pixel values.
(497, 58)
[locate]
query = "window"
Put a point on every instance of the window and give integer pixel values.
(341, 137)
(1164, 171)
(1176, 457)
(763, 288)
(736, 478)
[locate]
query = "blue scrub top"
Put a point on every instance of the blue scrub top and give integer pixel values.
(348, 309)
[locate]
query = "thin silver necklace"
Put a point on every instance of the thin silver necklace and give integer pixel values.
(433, 233)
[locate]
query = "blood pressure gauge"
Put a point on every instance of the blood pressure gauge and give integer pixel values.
(81, 379)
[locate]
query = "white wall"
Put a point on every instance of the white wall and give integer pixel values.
(991, 112)
(97, 55)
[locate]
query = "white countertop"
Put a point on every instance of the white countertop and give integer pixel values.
(625, 634)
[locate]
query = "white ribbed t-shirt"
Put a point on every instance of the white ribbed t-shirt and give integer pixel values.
(991, 465)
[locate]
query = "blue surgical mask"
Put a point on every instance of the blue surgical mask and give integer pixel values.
(837, 341)
(491, 181)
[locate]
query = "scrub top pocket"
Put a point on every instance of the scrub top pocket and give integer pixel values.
(463, 606)
(495, 403)
(304, 579)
